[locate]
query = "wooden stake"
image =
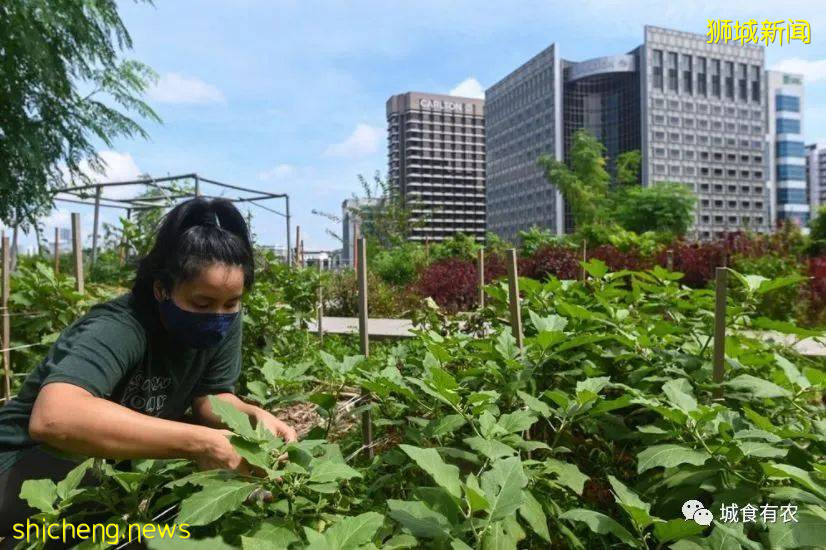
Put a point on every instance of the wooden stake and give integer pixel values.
(669, 260)
(320, 306)
(721, 280)
(77, 252)
(480, 268)
(57, 251)
(297, 244)
(95, 228)
(584, 258)
(513, 293)
(6, 322)
(364, 339)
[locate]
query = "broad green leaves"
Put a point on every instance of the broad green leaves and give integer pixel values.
(213, 501)
(347, 534)
(600, 524)
(668, 456)
(445, 475)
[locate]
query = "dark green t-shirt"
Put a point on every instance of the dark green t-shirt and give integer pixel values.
(118, 352)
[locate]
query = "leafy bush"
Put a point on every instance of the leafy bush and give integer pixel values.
(452, 283)
(458, 246)
(556, 261)
(399, 265)
(340, 291)
(781, 304)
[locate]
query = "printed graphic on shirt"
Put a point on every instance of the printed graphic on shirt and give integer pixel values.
(146, 394)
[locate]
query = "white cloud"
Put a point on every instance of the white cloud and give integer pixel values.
(812, 71)
(469, 87)
(279, 172)
(362, 142)
(177, 88)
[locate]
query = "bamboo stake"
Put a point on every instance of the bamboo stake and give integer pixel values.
(364, 340)
(669, 260)
(513, 293)
(57, 251)
(584, 258)
(320, 306)
(297, 245)
(6, 320)
(77, 252)
(721, 279)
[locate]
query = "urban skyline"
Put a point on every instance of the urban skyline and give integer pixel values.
(295, 103)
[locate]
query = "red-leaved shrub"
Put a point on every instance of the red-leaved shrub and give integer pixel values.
(617, 260)
(452, 284)
(562, 263)
(817, 288)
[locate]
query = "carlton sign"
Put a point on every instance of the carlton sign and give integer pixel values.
(439, 105)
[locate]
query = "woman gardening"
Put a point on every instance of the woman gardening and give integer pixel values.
(118, 382)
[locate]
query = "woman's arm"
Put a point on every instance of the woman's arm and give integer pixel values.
(71, 419)
(203, 413)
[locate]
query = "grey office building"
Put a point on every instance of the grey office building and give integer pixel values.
(436, 160)
(696, 111)
(816, 176)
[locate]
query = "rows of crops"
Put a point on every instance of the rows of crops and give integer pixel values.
(593, 435)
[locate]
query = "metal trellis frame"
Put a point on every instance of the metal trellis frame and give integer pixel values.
(81, 195)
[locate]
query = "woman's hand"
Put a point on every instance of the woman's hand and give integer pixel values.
(217, 453)
(276, 426)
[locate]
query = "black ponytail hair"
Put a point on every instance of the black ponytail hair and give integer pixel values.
(193, 235)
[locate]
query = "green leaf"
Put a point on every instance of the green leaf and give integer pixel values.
(445, 475)
(551, 323)
(804, 478)
(419, 519)
(177, 543)
(446, 425)
(677, 529)
(503, 535)
(268, 536)
(213, 501)
(489, 448)
(323, 470)
(517, 421)
(631, 503)
(73, 478)
(760, 449)
(535, 404)
(784, 327)
(39, 493)
(600, 524)
(568, 474)
(680, 394)
(234, 419)
(791, 372)
(351, 532)
(668, 456)
(533, 513)
(757, 386)
(474, 496)
(503, 485)
(780, 282)
(808, 532)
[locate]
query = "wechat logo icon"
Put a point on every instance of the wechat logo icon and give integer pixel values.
(695, 511)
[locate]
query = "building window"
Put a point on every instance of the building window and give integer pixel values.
(755, 83)
(788, 126)
(701, 76)
(658, 69)
(715, 78)
(787, 103)
(729, 68)
(789, 149)
(786, 172)
(687, 75)
(742, 84)
(672, 71)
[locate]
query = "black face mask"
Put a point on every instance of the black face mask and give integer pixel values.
(196, 330)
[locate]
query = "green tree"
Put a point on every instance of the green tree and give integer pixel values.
(63, 85)
(628, 168)
(817, 232)
(384, 216)
(584, 184)
(663, 207)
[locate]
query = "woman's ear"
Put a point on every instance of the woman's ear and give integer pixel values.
(160, 293)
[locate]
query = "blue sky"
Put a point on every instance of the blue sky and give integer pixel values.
(290, 96)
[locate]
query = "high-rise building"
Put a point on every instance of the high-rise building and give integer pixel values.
(694, 110)
(436, 155)
(351, 225)
(816, 176)
(786, 149)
